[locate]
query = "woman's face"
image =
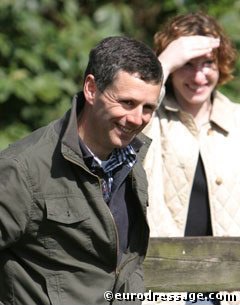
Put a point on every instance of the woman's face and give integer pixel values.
(194, 82)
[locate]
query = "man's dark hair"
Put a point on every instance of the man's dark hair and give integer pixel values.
(121, 53)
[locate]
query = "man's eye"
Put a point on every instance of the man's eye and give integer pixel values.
(126, 102)
(149, 108)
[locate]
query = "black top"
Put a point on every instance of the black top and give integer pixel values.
(198, 219)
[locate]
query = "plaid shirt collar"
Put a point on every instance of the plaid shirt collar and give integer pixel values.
(119, 156)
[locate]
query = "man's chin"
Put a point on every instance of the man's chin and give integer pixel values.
(124, 143)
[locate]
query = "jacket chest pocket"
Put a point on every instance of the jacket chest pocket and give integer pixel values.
(66, 210)
(67, 224)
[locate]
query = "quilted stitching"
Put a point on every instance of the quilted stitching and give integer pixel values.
(219, 146)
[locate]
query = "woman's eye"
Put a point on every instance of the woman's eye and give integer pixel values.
(208, 63)
(188, 65)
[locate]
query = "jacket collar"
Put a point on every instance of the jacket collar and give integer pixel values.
(70, 137)
(221, 114)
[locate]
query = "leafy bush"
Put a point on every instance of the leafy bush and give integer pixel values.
(44, 46)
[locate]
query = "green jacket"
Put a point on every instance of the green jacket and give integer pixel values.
(58, 239)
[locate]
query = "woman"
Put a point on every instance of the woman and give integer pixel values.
(194, 161)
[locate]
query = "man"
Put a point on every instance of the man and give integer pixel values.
(74, 193)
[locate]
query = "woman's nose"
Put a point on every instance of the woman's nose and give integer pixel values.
(200, 75)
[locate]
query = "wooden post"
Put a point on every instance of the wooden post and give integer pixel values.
(193, 264)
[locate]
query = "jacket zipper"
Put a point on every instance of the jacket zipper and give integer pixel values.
(117, 270)
(109, 212)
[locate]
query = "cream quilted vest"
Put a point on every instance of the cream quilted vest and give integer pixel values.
(173, 155)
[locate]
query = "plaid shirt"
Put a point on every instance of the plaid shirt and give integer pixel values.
(118, 158)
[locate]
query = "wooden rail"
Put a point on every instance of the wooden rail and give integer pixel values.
(193, 264)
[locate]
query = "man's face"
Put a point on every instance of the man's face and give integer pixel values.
(120, 112)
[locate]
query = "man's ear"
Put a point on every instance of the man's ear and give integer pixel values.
(90, 88)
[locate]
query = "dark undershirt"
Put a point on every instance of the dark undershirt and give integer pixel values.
(199, 219)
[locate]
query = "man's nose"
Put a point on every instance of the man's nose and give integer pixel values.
(136, 116)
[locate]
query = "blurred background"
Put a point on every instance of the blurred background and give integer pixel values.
(44, 46)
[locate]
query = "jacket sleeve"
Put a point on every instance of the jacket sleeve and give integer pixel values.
(15, 201)
(134, 285)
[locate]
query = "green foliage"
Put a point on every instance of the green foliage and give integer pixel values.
(44, 46)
